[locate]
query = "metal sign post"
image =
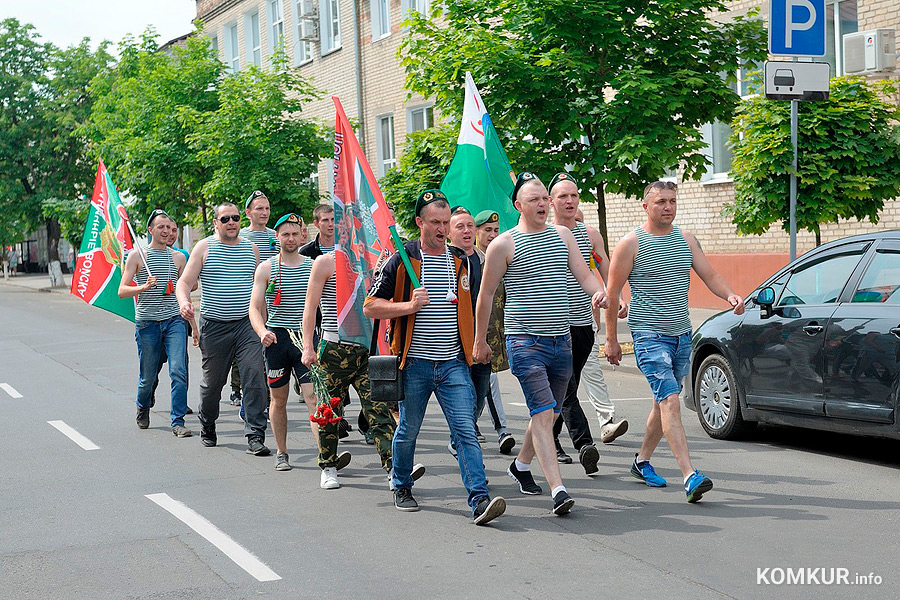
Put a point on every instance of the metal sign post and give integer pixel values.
(793, 209)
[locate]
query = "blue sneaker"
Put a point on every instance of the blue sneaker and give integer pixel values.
(697, 485)
(644, 471)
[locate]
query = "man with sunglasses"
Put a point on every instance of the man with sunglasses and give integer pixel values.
(656, 259)
(225, 264)
(159, 328)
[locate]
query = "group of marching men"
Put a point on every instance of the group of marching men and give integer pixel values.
(528, 299)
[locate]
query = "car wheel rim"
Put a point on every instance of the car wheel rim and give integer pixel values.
(715, 397)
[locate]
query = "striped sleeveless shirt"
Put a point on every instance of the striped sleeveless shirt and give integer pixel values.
(154, 304)
(535, 282)
(580, 314)
(292, 281)
(435, 334)
(226, 280)
(659, 281)
(328, 305)
(265, 240)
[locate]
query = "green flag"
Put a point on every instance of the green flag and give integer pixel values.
(480, 177)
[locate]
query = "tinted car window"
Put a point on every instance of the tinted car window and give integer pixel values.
(881, 280)
(820, 281)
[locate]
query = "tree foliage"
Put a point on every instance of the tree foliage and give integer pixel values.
(848, 157)
(613, 91)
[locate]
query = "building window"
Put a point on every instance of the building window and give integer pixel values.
(381, 18)
(305, 27)
(840, 19)
(419, 118)
(254, 45)
(421, 6)
(330, 25)
(276, 18)
(387, 158)
(232, 52)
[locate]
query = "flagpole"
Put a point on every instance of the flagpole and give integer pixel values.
(138, 246)
(404, 256)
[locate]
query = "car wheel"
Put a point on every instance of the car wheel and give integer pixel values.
(717, 399)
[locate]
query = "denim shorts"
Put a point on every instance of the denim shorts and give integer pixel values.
(543, 366)
(663, 359)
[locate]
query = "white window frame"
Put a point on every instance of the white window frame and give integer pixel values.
(424, 109)
(277, 38)
(713, 176)
(232, 48)
(381, 19)
(833, 13)
(303, 53)
(253, 47)
(387, 157)
(421, 6)
(329, 26)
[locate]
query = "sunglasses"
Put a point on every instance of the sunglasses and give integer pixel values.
(235, 218)
(660, 185)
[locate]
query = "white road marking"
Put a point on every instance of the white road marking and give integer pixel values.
(215, 536)
(74, 435)
(517, 403)
(588, 402)
(10, 390)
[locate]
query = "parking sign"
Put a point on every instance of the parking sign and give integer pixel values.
(797, 27)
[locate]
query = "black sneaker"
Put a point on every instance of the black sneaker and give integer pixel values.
(362, 423)
(525, 480)
(562, 503)
(507, 443)
(479, 436)
(487, 510)
(344, 429)
(208, 436)
(143, 417)
(235, 398)
(561, 455)
(588, 457)
(256, 447)
(343, 460)
(403, 500)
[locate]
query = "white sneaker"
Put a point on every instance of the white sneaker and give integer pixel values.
(611, 431)
(329, 479)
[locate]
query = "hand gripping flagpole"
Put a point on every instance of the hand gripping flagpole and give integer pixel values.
(137, 245)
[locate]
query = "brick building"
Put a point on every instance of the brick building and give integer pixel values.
(352, 53)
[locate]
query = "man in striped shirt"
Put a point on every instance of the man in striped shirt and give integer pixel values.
(225, 264)
(276, 313)
(432, 331)
(533, 260)
(656, 259)
(158, 326)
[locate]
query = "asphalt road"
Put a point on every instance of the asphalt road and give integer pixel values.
(116, 521)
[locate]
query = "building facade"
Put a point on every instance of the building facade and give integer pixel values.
(348, 48)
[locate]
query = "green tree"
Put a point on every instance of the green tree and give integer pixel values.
(422, 165)
(613, 91)
(257, 139)
(848, 155)
(136, 128)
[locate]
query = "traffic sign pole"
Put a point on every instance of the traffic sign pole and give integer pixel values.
(793, 223)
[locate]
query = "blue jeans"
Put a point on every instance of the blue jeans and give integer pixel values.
(543, 366)
(450, 381)
(663, 359)
(153, 338)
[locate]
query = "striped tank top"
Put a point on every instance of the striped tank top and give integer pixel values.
(226, 280)
(435, 333)
(154, 304)
(580, 314)
(328, 305)
(659, 281)
(535, 282)
(292, 282)
(265, 240)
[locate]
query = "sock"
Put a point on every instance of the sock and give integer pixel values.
(522, 466)
(638, 460)
(558, 489)
(686, 478)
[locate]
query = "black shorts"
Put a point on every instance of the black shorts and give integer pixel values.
(282, 358)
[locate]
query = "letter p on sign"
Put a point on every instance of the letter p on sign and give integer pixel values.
(797, 27)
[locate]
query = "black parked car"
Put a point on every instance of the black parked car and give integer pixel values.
(818, 346)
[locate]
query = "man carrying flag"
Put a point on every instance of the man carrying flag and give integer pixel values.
(159, 327)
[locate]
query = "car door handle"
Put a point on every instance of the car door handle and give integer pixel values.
(896, 331)
(813, 329)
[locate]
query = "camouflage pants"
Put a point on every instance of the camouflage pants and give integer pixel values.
(346, 365)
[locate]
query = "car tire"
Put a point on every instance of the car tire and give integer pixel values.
(716, 397)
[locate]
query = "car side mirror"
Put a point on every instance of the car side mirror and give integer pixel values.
(765, 299)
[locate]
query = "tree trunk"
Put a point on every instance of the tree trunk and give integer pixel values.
(818, 236)
(54, 269)
(601, 214)
(204, 216)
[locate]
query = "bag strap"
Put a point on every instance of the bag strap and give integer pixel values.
(373, 347)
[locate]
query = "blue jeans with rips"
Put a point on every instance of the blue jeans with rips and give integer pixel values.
(153, 338)
(450, 381)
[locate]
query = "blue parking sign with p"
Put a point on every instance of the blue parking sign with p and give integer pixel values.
(797, 27)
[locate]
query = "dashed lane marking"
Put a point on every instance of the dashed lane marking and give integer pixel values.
(73, 435)
(10, 390)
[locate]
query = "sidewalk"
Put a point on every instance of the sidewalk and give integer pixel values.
(38, 282)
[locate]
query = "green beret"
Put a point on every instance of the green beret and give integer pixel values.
(523, 178)
(427, 197)
(559, 177)
(289, 218)
(252, 197)
(156, 213)
(486, 216)
(459, 210)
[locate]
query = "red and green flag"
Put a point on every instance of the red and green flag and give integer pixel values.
(363, 228)
(98, 268)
